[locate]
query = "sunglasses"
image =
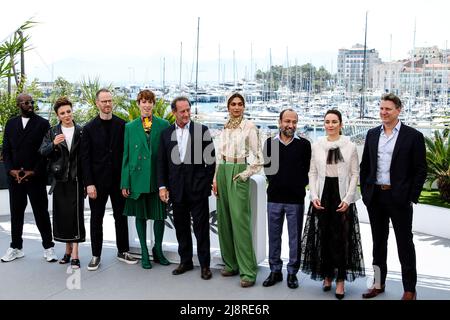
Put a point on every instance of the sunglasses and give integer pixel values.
(26, 103)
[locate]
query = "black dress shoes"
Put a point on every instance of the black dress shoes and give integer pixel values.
(182, 268)
(206, 273)
(292, 281)
(273, 278)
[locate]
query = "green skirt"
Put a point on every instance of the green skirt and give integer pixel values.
(147, 206)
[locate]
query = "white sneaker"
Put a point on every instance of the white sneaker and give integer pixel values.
(49, 255)
(12, 254)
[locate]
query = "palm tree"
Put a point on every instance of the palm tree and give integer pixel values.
(131, 111)
(438, 160)
(9, 49)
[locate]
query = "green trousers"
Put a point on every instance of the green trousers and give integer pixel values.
(234, 221)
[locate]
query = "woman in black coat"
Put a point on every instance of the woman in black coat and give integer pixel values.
(62, 146)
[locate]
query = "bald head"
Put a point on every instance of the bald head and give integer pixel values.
(26, 104)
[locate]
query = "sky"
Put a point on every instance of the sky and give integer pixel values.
(124, 42)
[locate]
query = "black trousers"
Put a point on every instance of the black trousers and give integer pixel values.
(380, 211)
(36, 191)
(98, 212)
(182, 212)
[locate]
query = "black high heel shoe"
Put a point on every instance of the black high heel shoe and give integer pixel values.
(340, 296)
(326, 288)
(158, 257)
(65, 259)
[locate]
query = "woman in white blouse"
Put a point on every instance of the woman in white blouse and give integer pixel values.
(239, 156)
(331, 244)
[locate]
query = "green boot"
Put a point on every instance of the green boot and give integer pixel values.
(158, 257)
(141, 227)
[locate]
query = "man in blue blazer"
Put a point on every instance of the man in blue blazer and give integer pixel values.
(393, 171)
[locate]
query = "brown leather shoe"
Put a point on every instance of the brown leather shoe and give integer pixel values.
(247, 283)
(409, 295)
(372, 293)
(206, 273)
(226, 273)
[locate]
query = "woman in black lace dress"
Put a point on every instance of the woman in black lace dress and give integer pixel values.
(331, 244)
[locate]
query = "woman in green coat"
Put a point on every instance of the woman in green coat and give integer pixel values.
(139, 185)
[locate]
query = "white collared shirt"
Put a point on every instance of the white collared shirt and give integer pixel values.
(182, 139)
(277, 137)
(385, 150)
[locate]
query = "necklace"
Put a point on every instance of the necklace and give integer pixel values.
(233, 123)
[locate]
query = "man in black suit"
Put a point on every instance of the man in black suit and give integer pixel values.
(26, 176)
(101, 160)
(393, 171)
(186, 165)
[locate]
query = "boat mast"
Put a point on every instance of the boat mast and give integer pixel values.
(412, 98)
(363, 78)
(181, 63)
(196, 69)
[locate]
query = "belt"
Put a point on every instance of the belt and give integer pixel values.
(384, 186)
(234, 160)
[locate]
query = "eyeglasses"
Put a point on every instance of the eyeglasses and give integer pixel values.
(233, 104)
(26, 103)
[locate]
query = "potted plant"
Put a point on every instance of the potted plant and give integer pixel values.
(438, 160)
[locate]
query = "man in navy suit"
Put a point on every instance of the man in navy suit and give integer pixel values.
(27, 176)
(186, 165)
(393, 171)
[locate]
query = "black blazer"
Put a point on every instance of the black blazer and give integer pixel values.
(102, 163)
(21, 146)
(196, 173)
(408, 166)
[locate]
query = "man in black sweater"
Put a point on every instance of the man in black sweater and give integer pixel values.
(286, 165)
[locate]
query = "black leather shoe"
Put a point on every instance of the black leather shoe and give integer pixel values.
(182, 268)
(206, 273)
(292, 281)
(273, 278)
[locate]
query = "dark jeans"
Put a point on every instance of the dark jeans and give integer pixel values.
(120, 221)
(380, 211)
(36, 191)
(275, 217)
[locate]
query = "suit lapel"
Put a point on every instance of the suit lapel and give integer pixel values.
(190, 152)
(139, 129)
(401, 137)
(374, 145)
(173, 142)
(75, 139)
(23, 132)
(114, 132)
(63, 143)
